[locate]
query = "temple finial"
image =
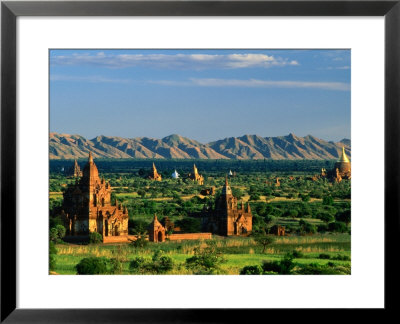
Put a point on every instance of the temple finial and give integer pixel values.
(344, 157)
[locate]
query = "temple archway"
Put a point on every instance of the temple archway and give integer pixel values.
(159, 237)
(106, 227)
(116, 230)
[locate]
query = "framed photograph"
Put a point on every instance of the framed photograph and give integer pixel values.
(163, 158)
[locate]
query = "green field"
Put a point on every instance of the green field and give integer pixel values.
(238, 252)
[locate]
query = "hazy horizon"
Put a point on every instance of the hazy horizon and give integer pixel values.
(204, 95)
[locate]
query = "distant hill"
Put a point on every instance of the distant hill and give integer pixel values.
(247, 147)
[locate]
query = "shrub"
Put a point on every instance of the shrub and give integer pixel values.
(92, 265)
(269, 266)
(306, 228)
(297, 254)
(159, 264)
(137, 265)
(304, 197)
(327, 200)
(53, 234)
(287, 264)
(314, 268)
(341, 257)
(326, 217)
(322, 228)
(344, 217)
(52, 262)
(60, 231)
(52, 256)
(114, 266)
(140, 242)
(338, 227)
(255, 196)
(324, 256)
(95, 237)
(284, 266)
(98, 265)
(205, 260)
(251, 270)
(52, 248)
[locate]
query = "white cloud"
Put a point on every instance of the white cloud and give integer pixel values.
(163, 61)
(254, 83)
(90, 79)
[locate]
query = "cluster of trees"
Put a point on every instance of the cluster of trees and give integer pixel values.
(98, 265)
(206, 260)
(124, 166)
(287, 265)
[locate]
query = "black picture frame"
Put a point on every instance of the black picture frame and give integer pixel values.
(10, 10)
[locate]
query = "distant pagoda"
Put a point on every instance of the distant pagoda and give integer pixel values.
(195, 176)
(75, 171)
(154, 174)
(341, 170)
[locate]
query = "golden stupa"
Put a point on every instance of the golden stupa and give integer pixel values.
(343, 164)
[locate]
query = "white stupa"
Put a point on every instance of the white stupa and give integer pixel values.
(175, 175)
(230, 173)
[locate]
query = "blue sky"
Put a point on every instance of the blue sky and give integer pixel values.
(205, 95)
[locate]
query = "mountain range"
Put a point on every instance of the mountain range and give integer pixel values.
(247, 147)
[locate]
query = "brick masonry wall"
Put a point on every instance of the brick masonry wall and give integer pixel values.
(119, 239)
(189, 236)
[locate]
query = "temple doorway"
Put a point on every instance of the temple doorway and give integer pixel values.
(106, 228)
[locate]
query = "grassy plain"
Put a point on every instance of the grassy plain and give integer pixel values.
(239, 252)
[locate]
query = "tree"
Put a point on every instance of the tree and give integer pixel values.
(337, 227)
(306, 228)
(52, 256)
(344, 216)
(284, 266)
(287, 263)
(326, 217)
(61, 231)
(255, 196)
(98, 265)
(327, 200)
(159, 264)
(206, 260)
(189, 225)
(264, 240)
(95, 238)
(92, 265)
(251, 270)
(305, 198)
(53, 234)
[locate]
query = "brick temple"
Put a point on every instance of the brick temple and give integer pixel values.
(87, 206)
(226, 218)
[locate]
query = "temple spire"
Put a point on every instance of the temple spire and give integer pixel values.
(344, 157)
(90, 157)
